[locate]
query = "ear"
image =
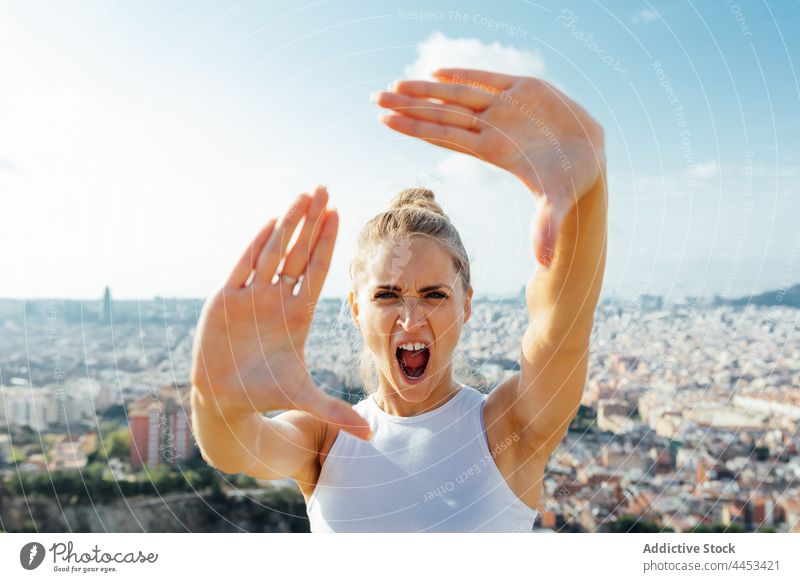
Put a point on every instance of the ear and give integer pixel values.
(468, 305)
(354, 307)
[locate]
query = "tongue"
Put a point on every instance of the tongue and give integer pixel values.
(414, 359)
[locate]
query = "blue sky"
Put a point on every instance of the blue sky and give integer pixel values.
(143, 144)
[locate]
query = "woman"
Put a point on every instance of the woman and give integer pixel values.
(421, 453)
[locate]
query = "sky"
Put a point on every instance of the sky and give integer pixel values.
(143, 144)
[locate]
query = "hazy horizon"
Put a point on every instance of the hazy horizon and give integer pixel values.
(700, 293)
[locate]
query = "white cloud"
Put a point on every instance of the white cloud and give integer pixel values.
(8, 165)
(646, 15)
(438, 50)
(705, 170)
(460, 171)
(492, 209)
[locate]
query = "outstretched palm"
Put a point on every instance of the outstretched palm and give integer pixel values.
(521, 124)
(249, 348)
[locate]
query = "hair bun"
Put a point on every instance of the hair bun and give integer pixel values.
(417, 198)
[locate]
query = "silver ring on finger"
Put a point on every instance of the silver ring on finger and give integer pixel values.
(291, 281)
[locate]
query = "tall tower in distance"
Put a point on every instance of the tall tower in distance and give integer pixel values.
(107, 306)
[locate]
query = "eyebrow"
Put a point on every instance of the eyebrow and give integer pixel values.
(423, 290)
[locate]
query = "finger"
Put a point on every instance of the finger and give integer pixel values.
(476, 76)
(443, 114)
(334, 411)
(453, 93)
(453, 138)
(279, 239)
(320, 261)
(247, 262)
(545, 228)
(298, 257)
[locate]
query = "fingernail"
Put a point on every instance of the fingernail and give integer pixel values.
(373, 97)
(393, 86)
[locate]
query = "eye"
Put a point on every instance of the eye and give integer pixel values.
(438, 295)
(382, 295)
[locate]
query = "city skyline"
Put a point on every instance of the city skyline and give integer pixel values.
(688, 419)
(700, 291)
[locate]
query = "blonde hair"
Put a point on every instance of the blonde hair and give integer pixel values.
(413, 211)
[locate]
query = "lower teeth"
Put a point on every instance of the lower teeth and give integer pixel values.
(407, 372)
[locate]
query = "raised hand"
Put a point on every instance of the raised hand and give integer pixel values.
(521, 124)
(248, 352)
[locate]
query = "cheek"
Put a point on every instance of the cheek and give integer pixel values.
(447, 323)
(378, 323)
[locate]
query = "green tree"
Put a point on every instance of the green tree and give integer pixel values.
(217, 494)
(119, 444)
(17, 456)
(730, 528)
(115, 412)
(634, 524)
(69, 484)
(717, 528)
(761, 453)
(116, 443)
(245, 481)
(27, 526)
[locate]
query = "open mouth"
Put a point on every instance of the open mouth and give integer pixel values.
(413, 362)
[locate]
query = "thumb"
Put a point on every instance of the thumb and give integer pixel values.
(335, 411)
(544, 231)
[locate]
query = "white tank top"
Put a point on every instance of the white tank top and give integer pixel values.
(427, 473)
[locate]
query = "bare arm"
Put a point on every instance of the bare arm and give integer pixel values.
(561, 304)
(286, 446)
(249, 353)
(548, 141)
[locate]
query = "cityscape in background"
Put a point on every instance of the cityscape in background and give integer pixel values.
(689, 420)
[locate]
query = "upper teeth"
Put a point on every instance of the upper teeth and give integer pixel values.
(412, 346)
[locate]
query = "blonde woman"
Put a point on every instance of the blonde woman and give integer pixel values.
(422, 453)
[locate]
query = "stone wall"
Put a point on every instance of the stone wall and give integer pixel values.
(271, 510)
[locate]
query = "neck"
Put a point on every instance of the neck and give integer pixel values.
(391, 401)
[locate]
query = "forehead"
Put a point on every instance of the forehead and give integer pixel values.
(409, 262)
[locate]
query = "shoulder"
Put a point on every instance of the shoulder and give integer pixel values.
(331, 432)
(472, 398)
(500, 401)
(325, 435)
(499, 416)
(501, 412)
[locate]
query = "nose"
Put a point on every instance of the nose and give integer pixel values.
(411, 316)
